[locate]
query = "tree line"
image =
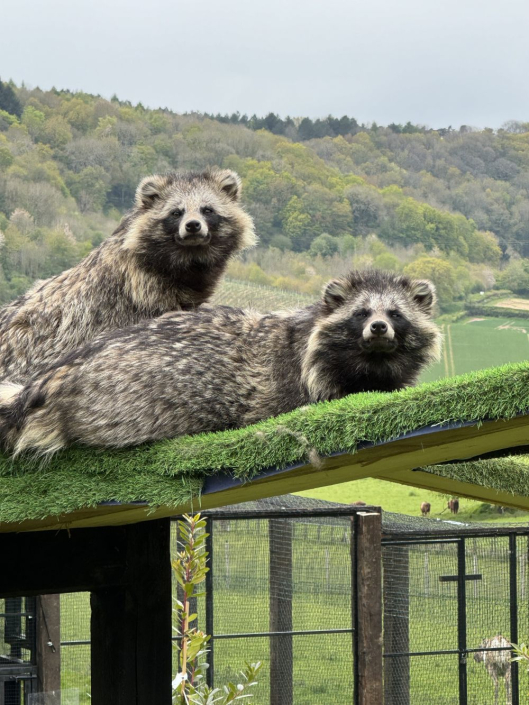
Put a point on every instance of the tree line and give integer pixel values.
(70, 163)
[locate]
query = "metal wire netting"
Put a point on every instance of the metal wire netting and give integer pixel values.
(425, 617)
(282, 575)
(75, 645)
(280, 565)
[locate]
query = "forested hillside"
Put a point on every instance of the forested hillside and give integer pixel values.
(327, 194)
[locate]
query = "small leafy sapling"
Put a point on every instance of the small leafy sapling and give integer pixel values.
(190, 568)
(521, 653)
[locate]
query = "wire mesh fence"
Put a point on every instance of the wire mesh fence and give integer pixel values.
(75, 645)
(452, 607)
(282, 595)
(267, 576)
(281, 591)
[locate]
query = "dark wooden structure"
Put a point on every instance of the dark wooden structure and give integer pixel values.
(127, 570)
(48, 643)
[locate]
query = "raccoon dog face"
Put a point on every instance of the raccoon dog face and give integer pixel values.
(181, 216)
(376, 332)
(380, 313)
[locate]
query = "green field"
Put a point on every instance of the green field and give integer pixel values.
(474, 344)
(262, 298)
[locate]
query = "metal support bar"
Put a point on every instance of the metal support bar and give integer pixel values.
(293, 632)
(445, 652)
(462, 621)
(345, 511)
(210, 623)
(417, 542)
(513, 593)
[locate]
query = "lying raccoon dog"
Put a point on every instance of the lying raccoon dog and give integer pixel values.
(168, 253)
(219, 368)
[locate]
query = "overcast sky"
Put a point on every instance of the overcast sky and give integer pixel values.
(434, 62)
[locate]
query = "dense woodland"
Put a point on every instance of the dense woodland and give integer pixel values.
(327, 194)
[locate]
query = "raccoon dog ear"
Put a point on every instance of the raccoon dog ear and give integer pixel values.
(150, 190)
(229, 183)
(335, 293)
(423, 293)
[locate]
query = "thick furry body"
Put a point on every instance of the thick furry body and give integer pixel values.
(219, 368)
(168, 253)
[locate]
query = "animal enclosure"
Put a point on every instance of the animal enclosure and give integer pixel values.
(283, 590)
(454, 597)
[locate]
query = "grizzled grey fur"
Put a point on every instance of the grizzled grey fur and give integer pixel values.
(168, 253)
(219, 368)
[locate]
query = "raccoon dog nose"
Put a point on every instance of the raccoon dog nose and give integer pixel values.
(193, 227)
(379, 327)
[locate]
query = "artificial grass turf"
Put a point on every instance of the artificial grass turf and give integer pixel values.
(509, 474)
(169, 472)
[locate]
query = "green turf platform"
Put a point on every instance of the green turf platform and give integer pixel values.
(364, 435)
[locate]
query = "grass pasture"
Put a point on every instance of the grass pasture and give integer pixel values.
(514, 303)
(477, 343)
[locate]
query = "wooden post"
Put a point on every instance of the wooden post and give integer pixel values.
(131, 625)
(281, 661)
(48, 645)
(396, 591)
(368, 613)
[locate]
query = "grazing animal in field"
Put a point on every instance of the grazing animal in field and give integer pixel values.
(425, 509)
(453, 505)
(219, 368)
(168, 253)
(497, 663)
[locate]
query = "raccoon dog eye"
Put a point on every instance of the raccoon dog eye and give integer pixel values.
(395, 314)
(207, 211)
(177, 212)
(361, 314)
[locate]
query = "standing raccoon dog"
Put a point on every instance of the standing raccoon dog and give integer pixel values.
(168, 253)
(219, 368)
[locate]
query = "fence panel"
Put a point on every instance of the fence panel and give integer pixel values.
(282, 595)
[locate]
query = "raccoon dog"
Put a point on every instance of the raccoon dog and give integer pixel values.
(168, 253)
(218, 368)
